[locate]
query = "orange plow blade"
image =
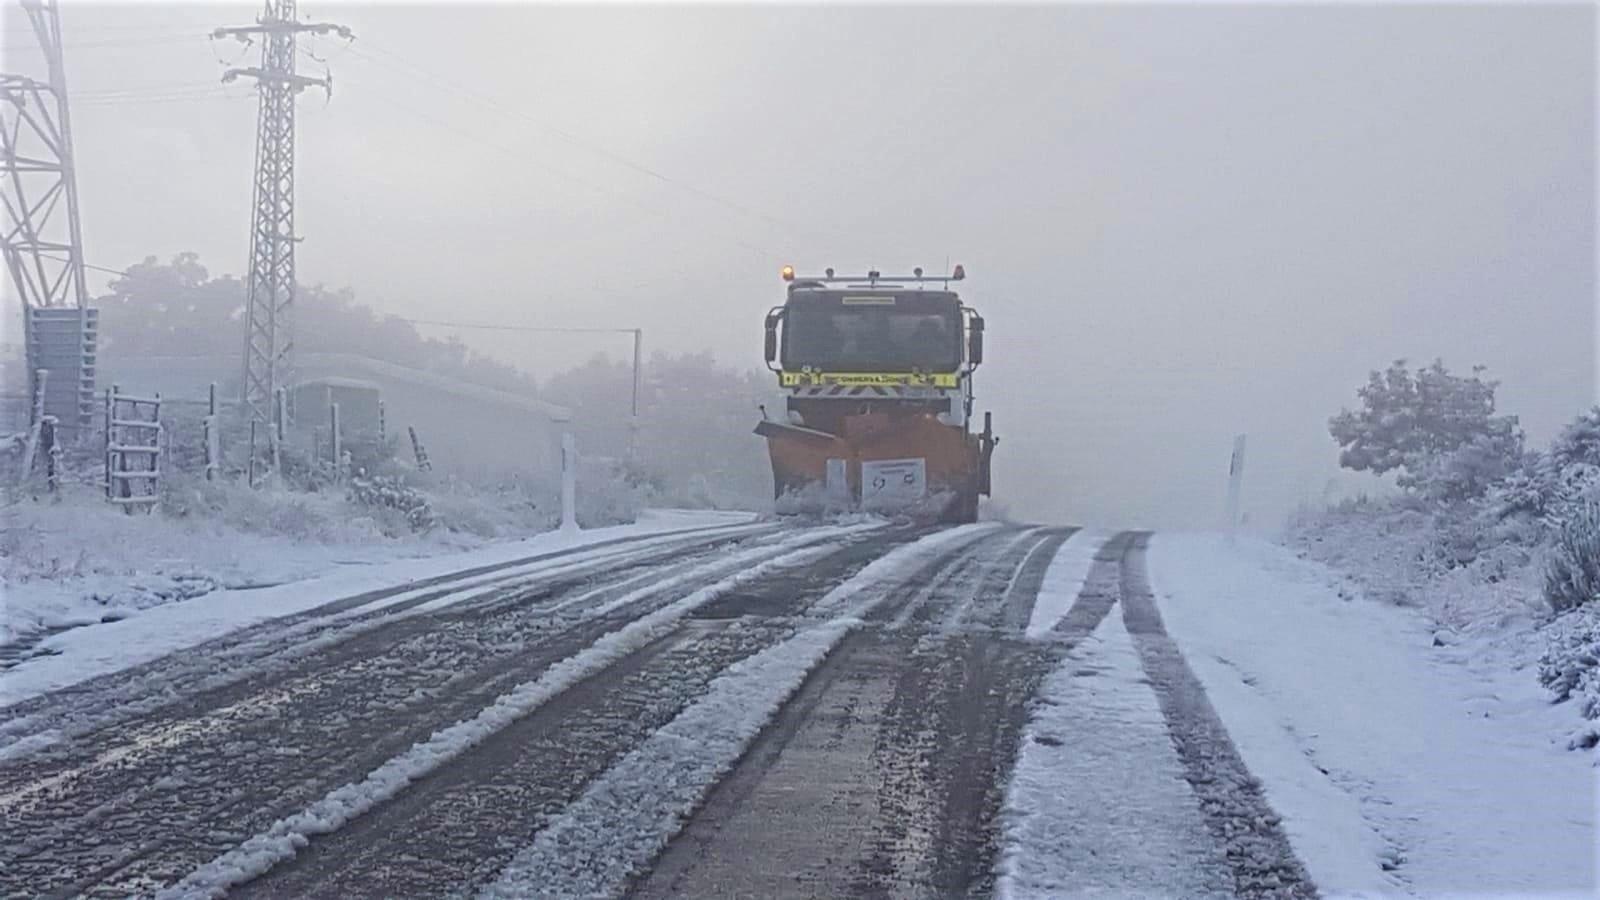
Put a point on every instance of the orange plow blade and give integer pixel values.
(895, 464)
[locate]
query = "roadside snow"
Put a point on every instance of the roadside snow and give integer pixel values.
(629, 813)
(287, 836)
(1064, 579)
(1398, 766)
(81, 653)
(1098, 799)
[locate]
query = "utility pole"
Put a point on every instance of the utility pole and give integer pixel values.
(269, 337)
(43, 241)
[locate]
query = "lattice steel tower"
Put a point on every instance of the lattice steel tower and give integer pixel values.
(43, 242)
(42, 239)
(269, 331)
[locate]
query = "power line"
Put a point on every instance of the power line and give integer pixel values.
(399, 63)
(162, 87)
(116, 42)
(484, 326)
(412, 113)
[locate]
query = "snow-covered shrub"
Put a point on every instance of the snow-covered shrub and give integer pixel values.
(1547, 487)
(390, 492)
(1467, 472)
(1521, 494)
(1573, 576)
(1570, 666)
(1396, 550)
(1579, 442)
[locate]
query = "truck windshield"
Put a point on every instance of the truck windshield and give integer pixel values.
(871, 339)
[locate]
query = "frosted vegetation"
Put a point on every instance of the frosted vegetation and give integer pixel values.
(1484, 532)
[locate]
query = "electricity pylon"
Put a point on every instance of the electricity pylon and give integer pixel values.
(269, 333)
(42, 241)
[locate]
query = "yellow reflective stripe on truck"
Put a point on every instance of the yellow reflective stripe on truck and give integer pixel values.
(938, 379)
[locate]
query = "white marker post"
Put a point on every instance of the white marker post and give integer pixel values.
(569, 482)
(1235, 482)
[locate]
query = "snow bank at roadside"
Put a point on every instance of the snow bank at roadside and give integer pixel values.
(1398, 765)
(82, 653)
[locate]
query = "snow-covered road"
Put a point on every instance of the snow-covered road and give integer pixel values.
(754, 709)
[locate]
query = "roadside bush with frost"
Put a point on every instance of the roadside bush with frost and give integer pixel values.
(1570, 667)
(1572, 578)
(390, 492)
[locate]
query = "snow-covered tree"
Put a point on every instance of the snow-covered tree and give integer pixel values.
(1438, 430)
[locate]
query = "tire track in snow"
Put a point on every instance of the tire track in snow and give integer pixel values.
(289, 835)
(39, 723)
(459, 827)
(881, 774)
(1262, 862)
(257, 694)
(286, 745)
(1098, 803)
(626, 816)
(1022, 595)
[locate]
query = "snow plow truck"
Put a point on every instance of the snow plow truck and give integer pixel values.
(877, 374)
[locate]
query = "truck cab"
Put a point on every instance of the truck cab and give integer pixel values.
(878, 374)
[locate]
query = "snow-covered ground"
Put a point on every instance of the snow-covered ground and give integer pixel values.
(71, 559)
(1399, 764)
(298, 576)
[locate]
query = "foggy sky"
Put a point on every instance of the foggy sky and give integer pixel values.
(1180, 223)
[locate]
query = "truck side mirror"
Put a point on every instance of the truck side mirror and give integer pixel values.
(975, 340)
(772, 335)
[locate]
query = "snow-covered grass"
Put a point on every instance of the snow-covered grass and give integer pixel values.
(1497, 601)
(1399, 763)
(1488, 544)
(72, 559)
(1396, 552)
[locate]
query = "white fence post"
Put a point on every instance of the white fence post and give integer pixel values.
(569, 482)
(1235, 482)
(213, 434)
(336, 444)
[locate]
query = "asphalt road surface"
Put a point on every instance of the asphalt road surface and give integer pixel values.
(760, 711)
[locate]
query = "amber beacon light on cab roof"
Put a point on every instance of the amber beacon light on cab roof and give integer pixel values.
(878, 375)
